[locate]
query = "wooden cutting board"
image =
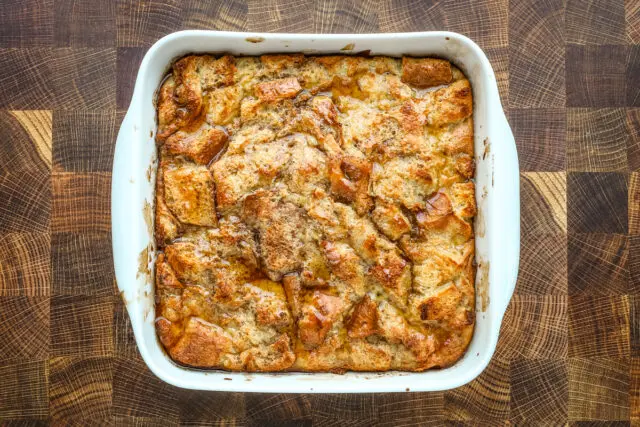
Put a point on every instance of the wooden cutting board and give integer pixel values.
(569, 76)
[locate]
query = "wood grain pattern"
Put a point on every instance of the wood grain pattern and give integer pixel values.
(598, 389)
(634, 323)
(568, 72)
(38, 125)
(23, 390)
(123, 339)
(133, 383)
(82, 264)
(24, 327)
(598, 264)
(128, 63)
(142, 23)
(81, 326)
(26, 23)
(540, 135)
(25, 267)
(334, 16)
(81, 202)
(539, 391)
(634, 387)
(633, 76)
(634, 265)
(85, 23)
(487, 398)
(197, 407)
(80, 388)
(265, 408)
(535, 327)
(632, 18)
(84, 141)
(595, 22)
(633, 138)
(543, 265)
(598, 326)
(401, 409)
(536, 54)
(597, 202)
(596, 140)
(597, 76)
(543, 197)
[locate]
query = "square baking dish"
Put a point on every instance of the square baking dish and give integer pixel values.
(497, 225)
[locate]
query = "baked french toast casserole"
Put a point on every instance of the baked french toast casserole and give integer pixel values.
(315, 213)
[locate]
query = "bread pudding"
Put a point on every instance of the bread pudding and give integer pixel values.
(315, 213)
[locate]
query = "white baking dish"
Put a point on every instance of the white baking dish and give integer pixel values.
(497, 224)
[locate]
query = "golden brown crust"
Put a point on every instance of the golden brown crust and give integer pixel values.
(426, 72)
(315, 213)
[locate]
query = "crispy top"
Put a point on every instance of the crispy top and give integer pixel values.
(315, 213)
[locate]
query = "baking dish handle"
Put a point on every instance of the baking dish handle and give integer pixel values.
(507, 187)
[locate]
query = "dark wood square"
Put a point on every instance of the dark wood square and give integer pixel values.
(81, 202)
(26, 23)
(540, 135)
(69, 374)
(596, 76)
(539, 391)
(633, 138)
(22, 317)
(81, 326)
(597, 202)
(83, 141)
(536, 54)
(128, 63)
(142, 24)
(598, 264)
(634, 324)
(85, 23)
(23, 390)
(133, 389)
(598, 389)
(596, 140)
(598, 326)
(633, 77)
(534, 327)
(26, 268)
(634, 265)
(26, 79)
(91, 251)
(543, 265)
(595, 22)
(634, 388)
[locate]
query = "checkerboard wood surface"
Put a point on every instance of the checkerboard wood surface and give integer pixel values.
(569, 76)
